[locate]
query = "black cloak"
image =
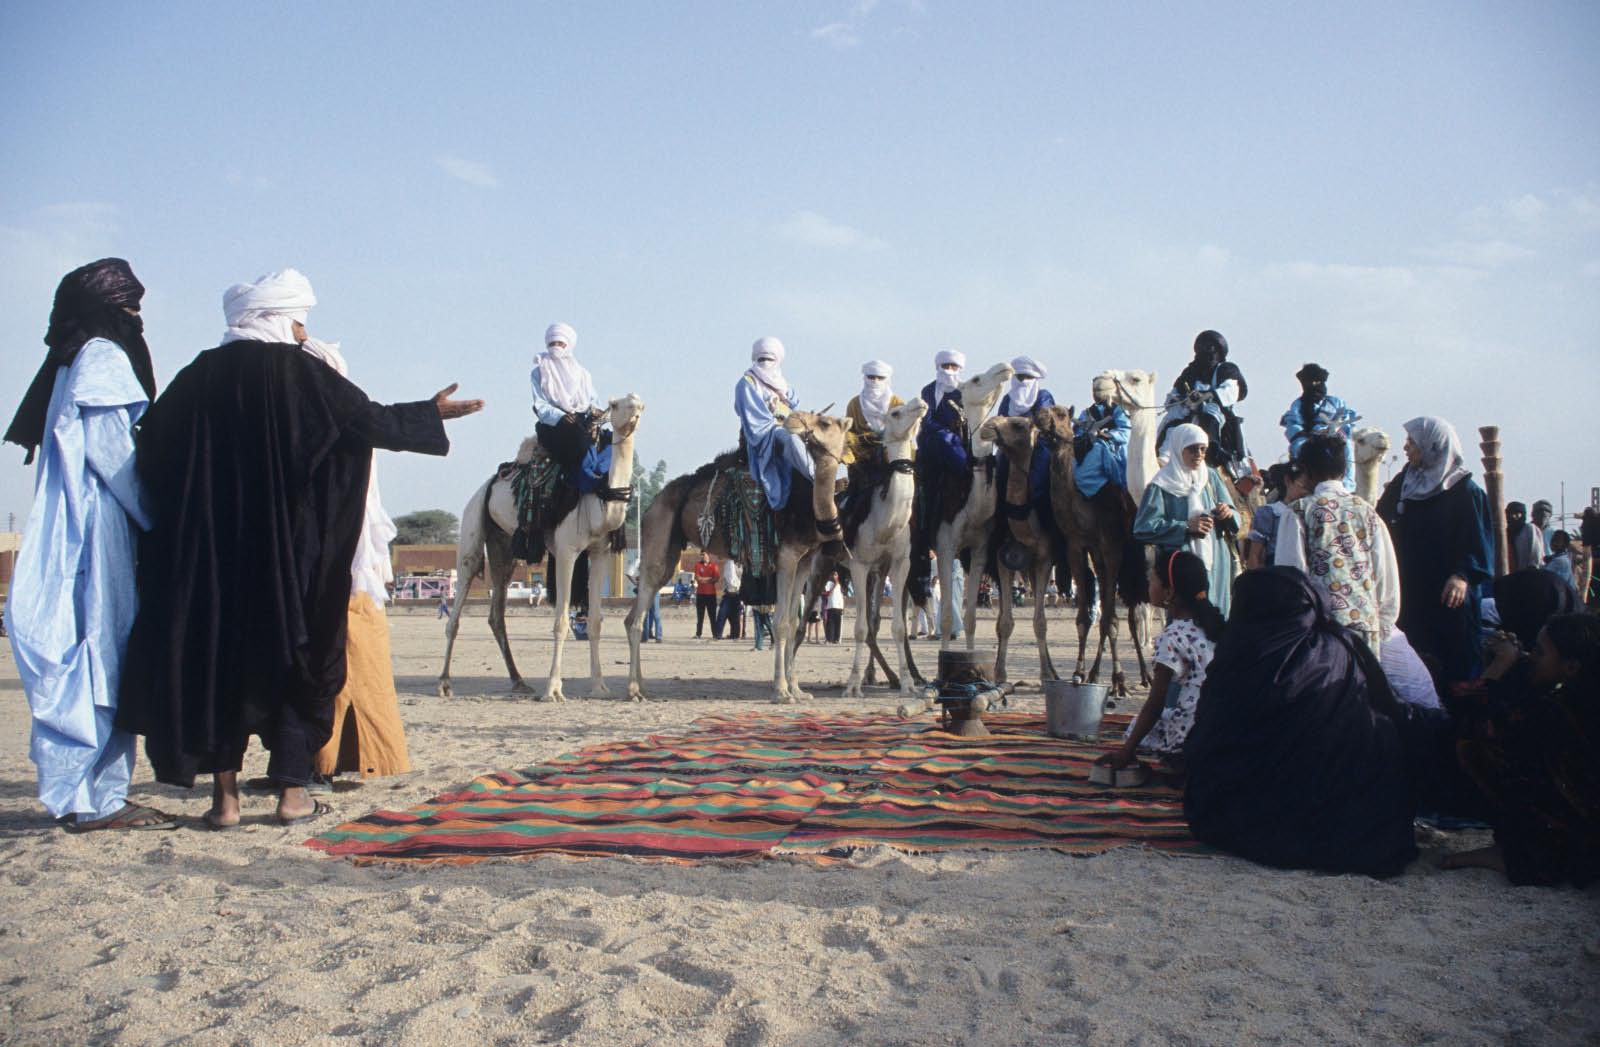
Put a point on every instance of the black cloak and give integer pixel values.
(254, 463)
(1292, 761)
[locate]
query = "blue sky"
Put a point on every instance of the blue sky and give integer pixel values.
(1409, 196)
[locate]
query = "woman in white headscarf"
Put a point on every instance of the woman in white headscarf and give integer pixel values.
(869, 409)
(1186, 506)
(1439, 521)
(567, 409)
(368, 735)
(762, 399)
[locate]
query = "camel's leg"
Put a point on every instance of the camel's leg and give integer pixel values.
(1003, 624)
(498, 546)
(813, 566)
(980, 556)
(785, 621)
(947, 597)
(1106, 559)
(597, 617)
(899, 569)
(890, 677)
(469, 561)
(565, 559)
(1139, 631)
(862, 630)
(658, 560)
(1082, 582)
(1041, 625)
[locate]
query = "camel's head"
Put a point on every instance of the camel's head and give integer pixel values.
(1055, 425)
(1134, 389)
(823, 434)
(625, 412)
(901, 422)
(981, 392)
(1371, 444)
(1013, 436)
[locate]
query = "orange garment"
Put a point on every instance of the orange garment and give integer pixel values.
(367, 733)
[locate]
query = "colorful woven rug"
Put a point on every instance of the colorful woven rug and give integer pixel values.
(755, 784)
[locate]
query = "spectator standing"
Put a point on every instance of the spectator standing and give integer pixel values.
(730, 611)
(1524, 542)
(706, 575)
(833, 604)
(1559, 560)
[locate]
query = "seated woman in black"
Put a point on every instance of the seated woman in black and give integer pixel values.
(1294, 759)
(1532, 747)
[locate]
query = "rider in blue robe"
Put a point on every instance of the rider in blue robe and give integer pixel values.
(762, 399)
(1100, 440)
(1026, 397)
(1314, 411)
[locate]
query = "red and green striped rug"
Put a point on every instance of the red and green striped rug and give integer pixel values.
(752, 785)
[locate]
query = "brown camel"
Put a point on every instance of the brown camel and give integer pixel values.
(674, 519)
(1015, 439)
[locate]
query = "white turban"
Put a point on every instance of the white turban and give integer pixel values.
(266, 310)
(876, 396)
(564, 381)
(1024, 391)
(944, 383)
(766, 359)
(561, 333)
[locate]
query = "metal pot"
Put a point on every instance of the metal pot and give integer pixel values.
(1073, 710)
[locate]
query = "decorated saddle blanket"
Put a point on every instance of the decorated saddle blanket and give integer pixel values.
(542, 499)
(737, 507)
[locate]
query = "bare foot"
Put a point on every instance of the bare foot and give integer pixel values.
(1479, 858)
(294, 803)
(224, 813)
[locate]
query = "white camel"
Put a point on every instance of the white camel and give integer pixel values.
(1370, 444)
(675, 515)
(1136, 393)
(881, 546)
(489, 521)
(971, 525)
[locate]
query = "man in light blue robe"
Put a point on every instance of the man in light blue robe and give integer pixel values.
(72, 597)
(1100, 440)
(762, 399)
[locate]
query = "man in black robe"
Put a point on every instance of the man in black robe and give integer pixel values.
(255, 462)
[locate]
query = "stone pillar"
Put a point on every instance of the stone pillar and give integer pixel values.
(1494, 487)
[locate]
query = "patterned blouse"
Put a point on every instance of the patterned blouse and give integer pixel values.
(1183, 648)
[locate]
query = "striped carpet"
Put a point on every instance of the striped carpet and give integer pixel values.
(748, 785)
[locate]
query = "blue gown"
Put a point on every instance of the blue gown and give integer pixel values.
(1107, 459)
(72, 594)
(1333, 416)
(1163, 521)
(939, 438)
(773, 453)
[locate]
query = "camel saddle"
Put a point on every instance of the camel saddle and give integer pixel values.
(868, 479)
(542, 499)
(737, 507)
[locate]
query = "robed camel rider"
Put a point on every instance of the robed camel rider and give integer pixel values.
(255, 461)
(1315, 412)
(1100, 441)
(569, 413)
(868, 411)
(1205, 393)
(1025, 398)
(942, 451)
(762, 399)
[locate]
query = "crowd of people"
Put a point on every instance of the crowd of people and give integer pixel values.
(209, 565)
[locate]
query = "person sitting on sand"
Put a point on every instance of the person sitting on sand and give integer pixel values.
(1184, 649)
(1295, 758)
(1533, 752)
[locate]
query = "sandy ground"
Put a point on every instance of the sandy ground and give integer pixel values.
(200, 938)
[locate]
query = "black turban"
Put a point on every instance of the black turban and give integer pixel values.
(1312, 373)
(1211, 344)
(91, 302)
